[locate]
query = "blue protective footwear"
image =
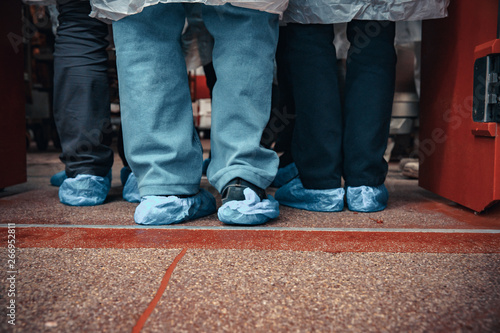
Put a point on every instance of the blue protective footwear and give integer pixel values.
(367, 199)
(251, 211)
(131, 190)
(285, 175)
(293, 194)
(124, 173)
(158, 210)
(85, 190)
(58, 178)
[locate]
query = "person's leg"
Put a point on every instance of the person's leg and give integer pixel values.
(81, 91)
(369, 89)
(243, 59)
(210, 76)
(130, 190)
(161, 144)
(211, 79)
(282, 121)
(81, 105)
(317, 138)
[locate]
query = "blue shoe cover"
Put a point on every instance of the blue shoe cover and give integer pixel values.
(85, 190)
(131, 190)
(251, 211)
(124, 173)
(367, 199)
(295, 195)
(157, 210)
(284, 175)
(58, 178)
(204, 166)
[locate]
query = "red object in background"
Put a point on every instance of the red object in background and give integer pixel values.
(198, 87)
(12, 98)
(201, 90)
(459, 158)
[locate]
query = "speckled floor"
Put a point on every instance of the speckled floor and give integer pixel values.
(424, 264)
(107, 290)
(409, 207)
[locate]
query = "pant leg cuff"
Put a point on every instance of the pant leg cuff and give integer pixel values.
(223, 177)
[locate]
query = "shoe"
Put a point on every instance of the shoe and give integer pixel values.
(406, 160)
(130, 190)
(246, 204)
(161, 210)
(410, 170)
(366, 199)
(234, 190)
(285, 175)
(85, 190)
(124, 173)
(58, 178)
(293, 194)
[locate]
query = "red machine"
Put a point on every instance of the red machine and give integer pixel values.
(460, 105)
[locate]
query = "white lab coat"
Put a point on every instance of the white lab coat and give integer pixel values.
(339, 11)
(118, 9)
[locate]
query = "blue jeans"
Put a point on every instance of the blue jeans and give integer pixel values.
(161, 143)
(81, 91)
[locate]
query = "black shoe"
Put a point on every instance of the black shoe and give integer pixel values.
(234, 190)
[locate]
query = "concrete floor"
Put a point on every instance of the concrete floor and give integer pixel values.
(424, 264)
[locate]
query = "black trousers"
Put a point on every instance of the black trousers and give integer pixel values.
(337, 137)
(81, 91)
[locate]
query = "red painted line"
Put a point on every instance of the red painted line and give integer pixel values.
(163, 285)
(291, 240)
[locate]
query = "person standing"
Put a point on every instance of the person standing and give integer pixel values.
(337, 138)
(82, 109)
(155, 101)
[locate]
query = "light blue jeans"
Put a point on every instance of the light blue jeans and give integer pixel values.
(161, 143)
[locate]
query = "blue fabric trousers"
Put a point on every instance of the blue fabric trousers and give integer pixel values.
(332, 140)
(161, 144)
(81, 91)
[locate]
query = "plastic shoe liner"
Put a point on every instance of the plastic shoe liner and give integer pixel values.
(285, 175)
(159, 210)
(85, 190)
(58, 178)
(367, 199)
(124, 173)
(251, 211)
(131, 190)
(295, 195)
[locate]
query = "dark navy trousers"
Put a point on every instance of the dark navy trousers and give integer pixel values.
(337, 137)
(81, 91)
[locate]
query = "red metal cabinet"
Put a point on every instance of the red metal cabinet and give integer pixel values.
(459, 158)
